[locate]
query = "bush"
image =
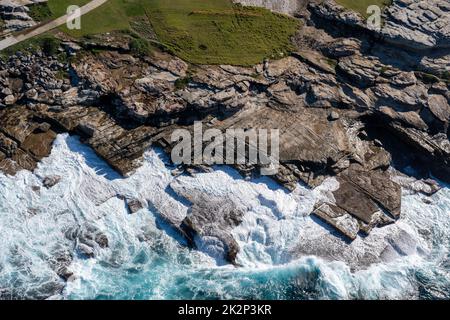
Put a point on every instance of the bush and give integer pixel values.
(139, 47)
(50, 46)
(182, 83)
(446, 75)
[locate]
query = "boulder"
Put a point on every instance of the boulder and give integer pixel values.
(134, 205)
(51, 181)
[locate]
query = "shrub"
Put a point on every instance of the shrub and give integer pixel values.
(50, 45)
(182, 83)
(446, 75)
(139, 47)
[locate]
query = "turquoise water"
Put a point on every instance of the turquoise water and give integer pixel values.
(145, 260)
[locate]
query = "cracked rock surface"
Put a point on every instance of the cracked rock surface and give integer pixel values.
(346, 108)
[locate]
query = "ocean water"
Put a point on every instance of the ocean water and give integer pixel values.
(285, 253)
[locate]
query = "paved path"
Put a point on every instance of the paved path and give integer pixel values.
(12, 40)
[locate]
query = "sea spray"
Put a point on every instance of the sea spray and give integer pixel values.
(285, 254)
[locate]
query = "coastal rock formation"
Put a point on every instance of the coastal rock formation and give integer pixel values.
(15, 14)
(418, 25)
(344, 108)
(209, 222)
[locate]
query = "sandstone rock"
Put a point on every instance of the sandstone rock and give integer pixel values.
(427, 187)
(9, 100)
(120, 105)
(43, 127)
(419, 24)
(361, 70)
(86, 250)
(172, 64)
(7, 146)
(51, 181)
(405, 99)
(379, 186)
(15, 15)
(359, 205)
(60, 261)
(71, 47)
(209, 223)
(342, 48)
(214, 218)
(7, 91)
(86, 129)
(409, 118)
(434, 149)
(440, 107)
(102, 240)
(404, 79)
(333, 116)
(338, 218)
(134, 205)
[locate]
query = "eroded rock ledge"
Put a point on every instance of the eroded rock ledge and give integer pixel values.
(344, 110)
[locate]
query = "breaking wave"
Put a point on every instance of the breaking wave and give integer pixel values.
(285, 254)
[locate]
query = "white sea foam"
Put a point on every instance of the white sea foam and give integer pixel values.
(284, 252)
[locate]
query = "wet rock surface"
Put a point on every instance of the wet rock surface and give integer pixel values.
(344, 108)
(209, 222)
(51, 181)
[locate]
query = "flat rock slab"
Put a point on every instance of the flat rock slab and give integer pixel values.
(338, 218)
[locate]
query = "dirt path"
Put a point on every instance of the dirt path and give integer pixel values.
(12, 40)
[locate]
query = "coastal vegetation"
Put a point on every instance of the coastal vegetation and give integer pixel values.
(199, 31)
(361, 6)
(47, 43)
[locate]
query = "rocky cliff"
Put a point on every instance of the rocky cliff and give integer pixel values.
(365, 110)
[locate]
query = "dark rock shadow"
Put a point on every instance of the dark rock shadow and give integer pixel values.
(405, 158)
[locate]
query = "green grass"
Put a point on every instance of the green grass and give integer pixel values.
(199, 31)
(361, 6)
(108, 17)
(216, 31)
(40, 12)
(47, 43)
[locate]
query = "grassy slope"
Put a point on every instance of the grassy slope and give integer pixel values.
(108, 17)
(362, 5)
(200, 31)
(217, 32)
